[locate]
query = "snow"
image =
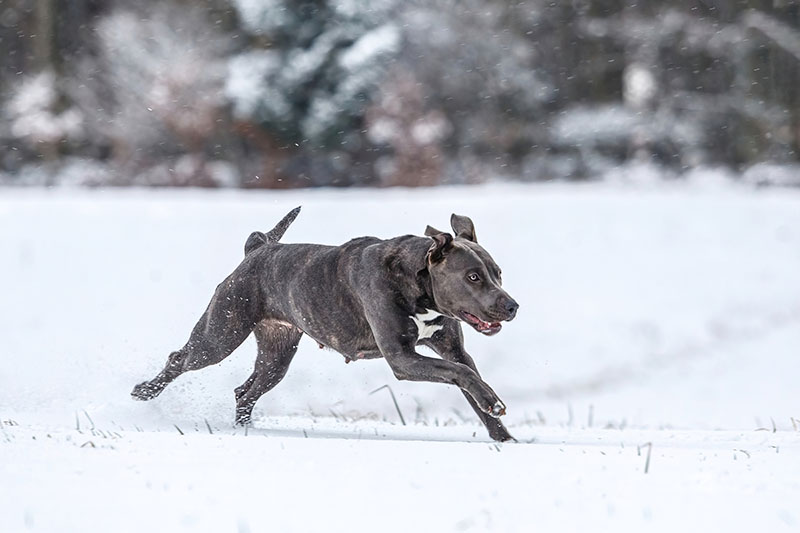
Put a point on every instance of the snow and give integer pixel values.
(639, 85)
(770, 174)
(263, 16)
(377, 42)
(245, 85)
(664, 315)
(31, 112)
(568, 481)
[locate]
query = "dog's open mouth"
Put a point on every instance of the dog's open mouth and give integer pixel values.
(487, 328)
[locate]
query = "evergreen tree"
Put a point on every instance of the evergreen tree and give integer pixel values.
(316, 68)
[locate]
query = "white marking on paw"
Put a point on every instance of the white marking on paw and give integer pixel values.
(425, 330)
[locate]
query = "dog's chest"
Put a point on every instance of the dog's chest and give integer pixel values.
(425, 329)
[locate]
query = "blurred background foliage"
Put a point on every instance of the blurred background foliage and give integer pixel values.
(293, 93)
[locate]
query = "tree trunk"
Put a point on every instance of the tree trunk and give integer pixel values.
(43, 44)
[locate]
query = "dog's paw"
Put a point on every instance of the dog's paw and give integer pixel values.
(145, 391)
(498, 409)
(500, 434)
(243, 420)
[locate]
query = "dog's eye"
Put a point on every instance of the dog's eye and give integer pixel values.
(473, 277)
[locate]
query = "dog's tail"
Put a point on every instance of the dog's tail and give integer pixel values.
(258, 239)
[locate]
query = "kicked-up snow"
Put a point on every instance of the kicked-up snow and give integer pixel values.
(650, 375)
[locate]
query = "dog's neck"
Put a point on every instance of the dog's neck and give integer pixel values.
(414, 266)
(426, 299)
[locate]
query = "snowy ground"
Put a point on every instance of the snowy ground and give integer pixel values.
(668, 316)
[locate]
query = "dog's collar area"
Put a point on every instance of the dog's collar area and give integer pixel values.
(428, 315)
(423, 321)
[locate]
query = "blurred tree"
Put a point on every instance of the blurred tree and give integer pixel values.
(309, 75)
(45, 38)
(154, 92)
(342, 92)
(398, 119)
(477, 67)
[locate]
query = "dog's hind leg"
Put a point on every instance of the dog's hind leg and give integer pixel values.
(277, 344)
(226, 323)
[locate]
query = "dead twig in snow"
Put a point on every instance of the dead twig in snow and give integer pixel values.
(396, 406)
(774, 428)
(89, 418)
(649, 451)
(743, 451)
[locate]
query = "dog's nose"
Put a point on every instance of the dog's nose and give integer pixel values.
(511, 308)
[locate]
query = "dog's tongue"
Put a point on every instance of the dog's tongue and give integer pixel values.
(487, 328)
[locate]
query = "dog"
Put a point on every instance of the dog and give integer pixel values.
(365, 299)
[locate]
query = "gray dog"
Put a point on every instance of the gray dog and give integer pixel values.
(367, 298)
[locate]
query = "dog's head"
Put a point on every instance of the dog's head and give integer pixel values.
(465, 279)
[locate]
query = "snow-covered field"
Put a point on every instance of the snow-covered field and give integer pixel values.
(651, 376)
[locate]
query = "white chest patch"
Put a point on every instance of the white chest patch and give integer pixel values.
(425, 330)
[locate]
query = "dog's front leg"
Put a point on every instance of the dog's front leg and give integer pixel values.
(412, 366)
(396, 336)
(448, 343)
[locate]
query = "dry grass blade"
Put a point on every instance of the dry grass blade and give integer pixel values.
(396, 406)
(649, 452)
(89, 418)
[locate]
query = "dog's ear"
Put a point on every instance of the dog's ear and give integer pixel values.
(430, 231)
(442, 242)
(463, 227)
